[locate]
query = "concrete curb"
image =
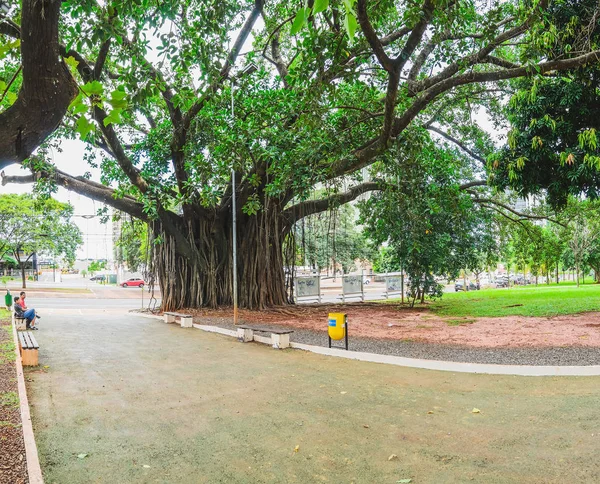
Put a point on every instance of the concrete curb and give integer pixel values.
(457, 367)
(34, 471)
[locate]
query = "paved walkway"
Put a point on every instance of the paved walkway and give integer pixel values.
(126, 399)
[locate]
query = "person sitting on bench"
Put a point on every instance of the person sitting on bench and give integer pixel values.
(28, 315)
(24, 306)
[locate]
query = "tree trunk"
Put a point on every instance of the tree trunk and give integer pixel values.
(205, 279)
(23, 277)
(47, 89)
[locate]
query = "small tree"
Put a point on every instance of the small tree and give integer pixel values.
(33, 225)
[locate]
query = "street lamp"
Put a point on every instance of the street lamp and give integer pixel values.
(249, 69)
(4, 8)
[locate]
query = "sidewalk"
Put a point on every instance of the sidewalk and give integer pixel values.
(127, 399)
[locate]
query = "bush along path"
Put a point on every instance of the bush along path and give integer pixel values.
(13, 464)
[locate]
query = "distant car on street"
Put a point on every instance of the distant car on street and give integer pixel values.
(471, 286)
(502, 282)
(133, 282)
(98, 278)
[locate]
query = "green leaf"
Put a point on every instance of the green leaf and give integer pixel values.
(299, 21)
(118, 99)
(350, 24)
(71, 62)
(80, 108)
(113, 118)
(404, 481)
(320, 6)
(118, 94)
(93, 87)
(11, 96)
(84, 127)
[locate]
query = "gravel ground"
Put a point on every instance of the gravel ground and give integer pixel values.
(540, 356)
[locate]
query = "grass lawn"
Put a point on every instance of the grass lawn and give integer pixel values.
(522, 301)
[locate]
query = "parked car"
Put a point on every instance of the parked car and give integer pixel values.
(502, 282)
(471, 286)
(133, 282)
(101, 277)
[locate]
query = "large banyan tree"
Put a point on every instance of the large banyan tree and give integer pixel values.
(175, 97)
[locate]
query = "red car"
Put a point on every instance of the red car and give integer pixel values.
(133, 282)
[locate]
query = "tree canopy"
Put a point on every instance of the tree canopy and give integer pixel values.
(171, 104)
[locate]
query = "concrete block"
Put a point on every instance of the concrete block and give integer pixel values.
(186, 322)
(169, 318)
(245, 335)
(280, 341)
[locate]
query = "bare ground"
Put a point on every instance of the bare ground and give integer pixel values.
(394, 322)
(132, 400)
(13, 466)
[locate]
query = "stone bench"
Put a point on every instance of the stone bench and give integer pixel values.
(280, 338)
(28, 348)
(186, 319)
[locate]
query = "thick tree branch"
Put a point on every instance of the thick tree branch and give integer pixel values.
(224, 73)
(394, 36)
(102, 55)
(474, 183)
(490, 59)
(416, 34)
(85, 187)
(479, 56)
(366, 154)
(372, 38)
(310, 207)
(47, 84)
(10, 30)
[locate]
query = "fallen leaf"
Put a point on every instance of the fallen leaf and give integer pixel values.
(404, 481)
(343, 393)
(146, 466)
(366, 426)
(430, 412)
(46, 367)
(297, 448)
(393, 457)
(476, 410)
(81, 456)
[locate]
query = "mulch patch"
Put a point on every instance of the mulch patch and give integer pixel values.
(13, 465)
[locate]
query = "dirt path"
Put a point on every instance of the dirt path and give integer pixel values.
(132, 400)
(391, 322)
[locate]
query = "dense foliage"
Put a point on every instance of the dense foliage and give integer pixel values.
(430, 223)
(552, 144)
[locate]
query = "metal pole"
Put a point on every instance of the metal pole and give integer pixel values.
(234, 243)
(234, 232)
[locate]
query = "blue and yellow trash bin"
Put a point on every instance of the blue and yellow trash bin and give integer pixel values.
(338, 327)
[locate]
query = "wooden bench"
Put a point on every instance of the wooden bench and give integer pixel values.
(186, 319)
(28, 348)
(280, 338)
